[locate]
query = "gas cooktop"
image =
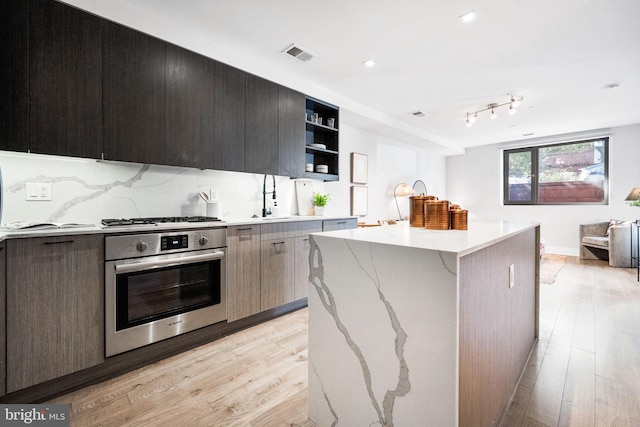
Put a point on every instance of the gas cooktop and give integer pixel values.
(157, 220)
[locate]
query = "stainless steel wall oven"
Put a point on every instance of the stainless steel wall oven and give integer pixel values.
(159, 285)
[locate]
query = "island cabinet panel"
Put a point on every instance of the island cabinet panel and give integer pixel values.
(291, 131)
(133, 96)
(497, 326)
(14, 75)
(3, 346)
(190, 106)
(55, 307)
(277, 258)
(243, 272)
(65, 80)
(227, 152)
(262, 126)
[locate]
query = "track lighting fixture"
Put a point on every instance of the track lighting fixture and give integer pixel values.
(513, 102)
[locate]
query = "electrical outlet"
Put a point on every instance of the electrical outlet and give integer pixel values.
(38, 191)
(512, 275)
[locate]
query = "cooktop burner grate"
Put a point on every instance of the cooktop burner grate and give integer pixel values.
(156, 220)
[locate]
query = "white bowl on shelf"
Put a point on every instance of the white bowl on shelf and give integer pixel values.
(322, 168)
(322, 146)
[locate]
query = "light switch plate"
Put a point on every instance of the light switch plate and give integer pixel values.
(37, 191)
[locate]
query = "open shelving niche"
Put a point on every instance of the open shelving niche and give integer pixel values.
(322, 134)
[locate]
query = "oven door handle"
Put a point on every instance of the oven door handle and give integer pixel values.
(149, 265)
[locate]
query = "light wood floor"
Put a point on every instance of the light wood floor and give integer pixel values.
(585, 370)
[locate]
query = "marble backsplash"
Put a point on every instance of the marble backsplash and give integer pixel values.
(86, 191)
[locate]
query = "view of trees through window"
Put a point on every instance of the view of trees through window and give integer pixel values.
(574, 172)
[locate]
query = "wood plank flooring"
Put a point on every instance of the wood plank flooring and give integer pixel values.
(584, 371)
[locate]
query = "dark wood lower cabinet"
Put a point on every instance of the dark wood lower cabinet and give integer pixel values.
(243, 274)
(277, 258)
(55, 307)
(3, 347)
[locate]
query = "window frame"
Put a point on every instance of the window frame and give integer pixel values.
(535, 153)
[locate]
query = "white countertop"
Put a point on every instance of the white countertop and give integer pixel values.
(160, 227)
(461, 242)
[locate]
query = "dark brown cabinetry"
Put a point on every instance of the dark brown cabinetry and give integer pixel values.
(14, 75)
(243, 274)
(291, 133)
(79, 85)
(321, 139)
(190, 106)
(262, 126)
(65, 80)
(133, 96)
(227, 151)
(3, 347)
(55, 307)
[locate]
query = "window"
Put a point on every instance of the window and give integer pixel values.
(566, 173)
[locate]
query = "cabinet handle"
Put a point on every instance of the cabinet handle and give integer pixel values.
(278, 243)
(62, 242)
(245, 229)
(342, 222)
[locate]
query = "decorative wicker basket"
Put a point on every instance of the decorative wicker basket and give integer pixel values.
(459, 219)
(436, 214)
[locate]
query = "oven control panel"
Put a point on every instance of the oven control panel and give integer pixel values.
(149, 244)
(168, 243)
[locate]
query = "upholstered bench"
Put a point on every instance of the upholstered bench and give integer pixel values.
(609, 241)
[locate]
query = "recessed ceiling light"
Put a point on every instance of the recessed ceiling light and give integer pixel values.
(610, 87)
(468, 17)
(369, 63)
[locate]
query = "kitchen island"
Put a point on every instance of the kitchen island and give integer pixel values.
(409, 326)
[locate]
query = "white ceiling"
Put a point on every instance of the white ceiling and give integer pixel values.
(558, 55)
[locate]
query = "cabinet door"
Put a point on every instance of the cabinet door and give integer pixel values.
(55, 307)
(243, 272)
(227, 151)
(134, 96)
(291, 129)
(3, 347)
(261, 143)
(14, 76)
(65, 80)
(339, 224)
(190, 98)
(277, 272)
(301, 281)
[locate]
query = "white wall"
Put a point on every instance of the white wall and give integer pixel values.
(475, 180)
(88, 190)
(389, 163)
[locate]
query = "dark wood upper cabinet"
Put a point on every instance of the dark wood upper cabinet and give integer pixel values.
(291, 130)
(227, 151)
(134, 75)
(14, 75)
(65, 80)
(261, 143)
(190, 106)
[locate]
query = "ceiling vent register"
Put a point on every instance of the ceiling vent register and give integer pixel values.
(299, 52)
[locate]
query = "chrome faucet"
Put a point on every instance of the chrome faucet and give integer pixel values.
(266, 212)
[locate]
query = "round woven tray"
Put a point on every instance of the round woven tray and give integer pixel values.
(436, 214)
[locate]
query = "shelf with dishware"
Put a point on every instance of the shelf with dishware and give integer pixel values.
(321, 140)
